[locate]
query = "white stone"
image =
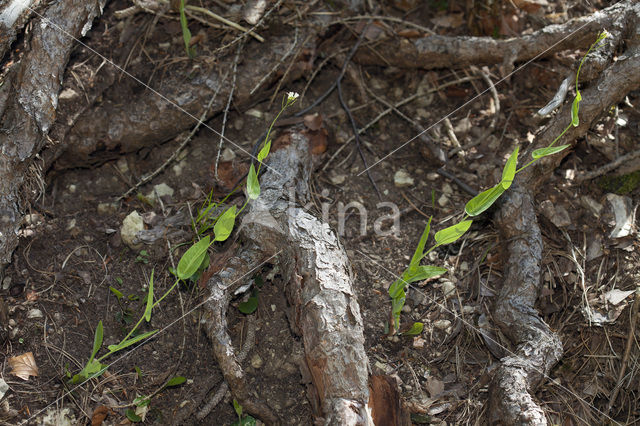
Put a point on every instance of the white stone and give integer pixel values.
(402, 179)
(130, 226)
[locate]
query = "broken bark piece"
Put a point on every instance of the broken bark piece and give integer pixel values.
(319, 287)
(538, 349)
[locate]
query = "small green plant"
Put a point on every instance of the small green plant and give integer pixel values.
(143, 257)
(192, 262)
(251, 304)
(243, 419)
(142, 403)
(474, 207)
(186, 34)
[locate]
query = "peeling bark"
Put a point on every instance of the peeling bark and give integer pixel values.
(319, 287)
(29, 98)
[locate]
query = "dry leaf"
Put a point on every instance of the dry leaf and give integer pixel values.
(23, 366)
(99, 414)
(616, 296)
(313, 121)
(434, 386)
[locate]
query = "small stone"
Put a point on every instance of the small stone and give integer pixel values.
(130, 227)
(122, 165)
(443, 200)
(448, 289)
(338, 179)
(67, 94)
(160, 190)
(447, 189)
(254, 113)
(558, 215)
(72, 188)
(6, 283)
(71, 224)
(432, 176)
(34, 313)
(442, 324)
(227, 155)
(107, 208)
(256, 361)
(402, 179)
(464, 267)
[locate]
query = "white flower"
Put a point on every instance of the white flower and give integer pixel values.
(292, 96)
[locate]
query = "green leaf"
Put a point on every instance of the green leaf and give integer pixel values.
(186, 34)
(421, 273)
(250, 305)
(97, 341)
(192, 258)
(253, 186)
(117, 292)
(141, 401)
(138, 372)
(396, 307)
(264, 151)
(550, 150)
(483, 200)
(225, 223)
(415, 329)
(509, 171)
(575, 120)
(245, 421)
(175, 381)
(394, 289)
(132, 416)
(132, 341)
(237, 407)
(418, 254)
(452, 233)
(149, 307)
(92, 367)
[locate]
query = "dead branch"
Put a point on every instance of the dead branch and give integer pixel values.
(319, 288)
(29, 100)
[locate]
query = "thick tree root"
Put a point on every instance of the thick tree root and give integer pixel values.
(435, 51)
(537, 348)
(319, 289)
(28, 101)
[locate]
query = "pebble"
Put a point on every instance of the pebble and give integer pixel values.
(256, 361)
(130, 226)
(448, 288)
(338, 179)
(402, 179)
(34, 313)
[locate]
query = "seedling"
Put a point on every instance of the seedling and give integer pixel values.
(191, 264)
(243, 419)
(143, 257)
(474, 207)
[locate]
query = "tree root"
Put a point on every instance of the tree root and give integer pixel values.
(28, 101)
(435, 51)
(319, 289)
(537, 348)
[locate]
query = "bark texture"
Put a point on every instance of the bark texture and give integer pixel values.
(435, 51)
(537, 347)
(28, 102)
(319, 288)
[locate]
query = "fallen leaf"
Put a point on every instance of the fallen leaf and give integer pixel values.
(313, 121)
(615, 296)
(434, 386)
(23, 366)
(229, 173)
(410, 34)
(99, 414)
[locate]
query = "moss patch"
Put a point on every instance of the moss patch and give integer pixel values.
(620, 184)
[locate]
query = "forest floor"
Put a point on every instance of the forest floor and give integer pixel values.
(58, 287)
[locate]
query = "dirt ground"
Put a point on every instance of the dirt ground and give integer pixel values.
(58, 286)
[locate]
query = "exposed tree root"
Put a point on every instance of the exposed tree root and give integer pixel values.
(537, 348)
(28, 101)
(435, 51)
(319, 289)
